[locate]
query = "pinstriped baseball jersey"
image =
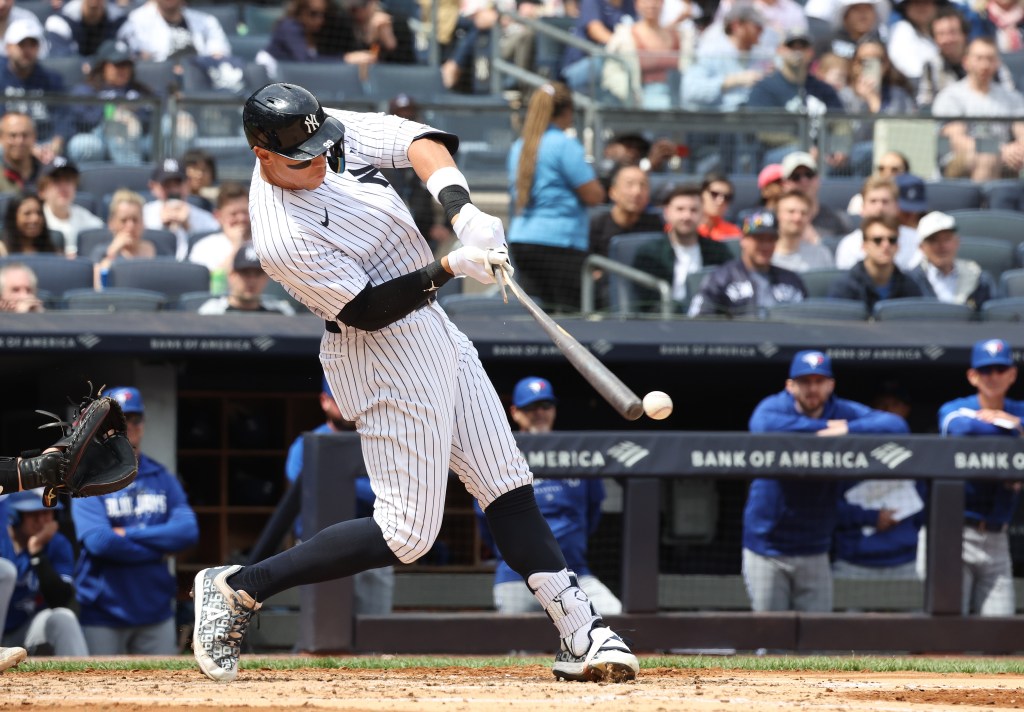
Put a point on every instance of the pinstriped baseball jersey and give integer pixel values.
(416, 390)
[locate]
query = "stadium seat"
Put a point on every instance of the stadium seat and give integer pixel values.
(1004, 224)
(158, 76)
(56, 273)
(819, 309)
(1014, 61)
(88, 201)
(1003, 195)
(836, 192)
(1011, 283)
(1008, 309)
(69, 69)
(946, 195)
(623, 248)
(818, 281)
(104, 180)
(694, 280)
(276, 291)
(191, 301)
(733, 244)
(114, 299)
(920, 309)
(746, 195)
(422, 83)
(259, 20)
(246, 47)
(89, 241)
(225, 12)
(162, 274)
(332, 82)
(489, 305)
(994, 254)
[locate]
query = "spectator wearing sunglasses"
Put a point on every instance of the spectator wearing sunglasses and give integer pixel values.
(800, 173)
(877, 277)
(943, 275)
(716, 193)
(989, 505)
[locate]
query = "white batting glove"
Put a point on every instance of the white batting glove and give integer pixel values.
(479, 263)
(478, 229)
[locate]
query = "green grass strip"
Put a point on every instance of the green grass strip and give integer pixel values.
(794, 663)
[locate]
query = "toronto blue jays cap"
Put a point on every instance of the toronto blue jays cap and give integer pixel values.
(532, 390)
(810, 363)
(129, 398)
(992, 352)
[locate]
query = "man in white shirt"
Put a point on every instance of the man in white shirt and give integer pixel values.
(58, 186)
(170, 210)
(246, 283)
(792, 251)
(217, 251)
(941, 273)
(165, 29)
(882, 198)
(981, 150)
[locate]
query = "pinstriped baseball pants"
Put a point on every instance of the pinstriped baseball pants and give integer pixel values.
(422, 404)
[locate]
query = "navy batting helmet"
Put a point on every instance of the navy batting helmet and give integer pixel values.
(288, 120)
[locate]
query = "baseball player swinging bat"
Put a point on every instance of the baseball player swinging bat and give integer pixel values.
(613, 390)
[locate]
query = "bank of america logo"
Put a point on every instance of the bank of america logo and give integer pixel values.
(628, 453)
(263, 342)
(934, 352)
(88, 340)
(891, 455)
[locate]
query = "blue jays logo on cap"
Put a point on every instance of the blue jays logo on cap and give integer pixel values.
(811, 363)
(992, 352)
(532, 390)
(129, 398)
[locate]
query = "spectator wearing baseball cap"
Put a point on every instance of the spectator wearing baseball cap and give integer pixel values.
(125, 590)
(800, 172)
(58, 186)
(771, 185)
(246, 282)
(572, 509)
(728, 63)
(876, 277)
(751, 284)
(171, 210)
(989, 505)
(943, 275)
(788, 523)
(22, 74)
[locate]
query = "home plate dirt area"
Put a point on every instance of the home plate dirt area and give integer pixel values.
(511, 688)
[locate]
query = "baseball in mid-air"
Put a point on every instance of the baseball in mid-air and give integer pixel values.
(657, 405)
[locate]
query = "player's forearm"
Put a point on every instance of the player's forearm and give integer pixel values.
(378, 306)
(428, 155)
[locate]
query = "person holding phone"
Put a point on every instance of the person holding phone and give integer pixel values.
(876, 87)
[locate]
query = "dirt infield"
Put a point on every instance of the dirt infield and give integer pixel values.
(519, 688)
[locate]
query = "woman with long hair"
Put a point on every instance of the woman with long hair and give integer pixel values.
(25, 227)
(552, 185)
(125, 224)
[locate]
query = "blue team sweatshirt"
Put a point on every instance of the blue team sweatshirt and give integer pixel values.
(124, 581)
(993, 502)
(791, 517)
(27, 599)
(896, 545)
(572, 508)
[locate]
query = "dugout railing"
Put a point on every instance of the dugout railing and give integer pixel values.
(640, 462)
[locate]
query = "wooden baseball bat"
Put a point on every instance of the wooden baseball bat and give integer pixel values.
(613, 390)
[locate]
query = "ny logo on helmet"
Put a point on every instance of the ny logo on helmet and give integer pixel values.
(311, 123)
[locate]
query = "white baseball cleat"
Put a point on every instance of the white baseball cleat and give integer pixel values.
(608, 659)
(222, 617)
(9, 657)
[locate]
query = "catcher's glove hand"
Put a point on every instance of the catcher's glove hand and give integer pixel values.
(94, 456)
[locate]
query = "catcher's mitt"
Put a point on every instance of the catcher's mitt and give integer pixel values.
(94, 456)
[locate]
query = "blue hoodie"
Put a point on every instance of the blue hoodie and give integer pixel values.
(27, 599)
(572, 508)
(792, 517)
(991, 501)
(896, 545)
(123, 581)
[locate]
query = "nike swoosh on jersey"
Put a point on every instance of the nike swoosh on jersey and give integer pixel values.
(327, 219)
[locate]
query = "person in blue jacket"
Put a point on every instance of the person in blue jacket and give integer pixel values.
(872, 542)
(572, 507)
(374, 588)
(42, 615)
(989, 506)
(788, 523)
(125, 587)
(9, 655)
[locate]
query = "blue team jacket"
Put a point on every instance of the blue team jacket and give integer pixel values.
(293, 468)
(896, 545)
(572, 509)
(123, 581)
(797, 517)
(27, 599)
(993, 502)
